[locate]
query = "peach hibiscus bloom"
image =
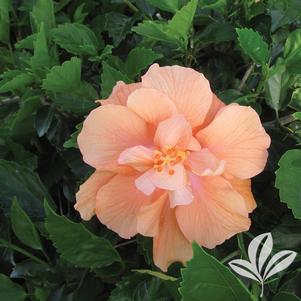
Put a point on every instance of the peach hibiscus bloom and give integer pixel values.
(172, 162)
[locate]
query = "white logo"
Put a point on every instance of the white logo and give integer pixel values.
(258, 268)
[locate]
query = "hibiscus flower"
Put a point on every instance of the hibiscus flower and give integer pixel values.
(171, 162)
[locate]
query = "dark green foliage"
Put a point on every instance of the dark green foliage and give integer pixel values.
(56, 59)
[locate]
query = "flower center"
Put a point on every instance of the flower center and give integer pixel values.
(168, 157)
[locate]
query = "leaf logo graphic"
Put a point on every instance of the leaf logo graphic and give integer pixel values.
(258, 268)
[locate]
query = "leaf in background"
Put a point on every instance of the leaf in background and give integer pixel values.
(72, 142)
(283, 12)
(292, 52)
(276, 87)
(118, 26)
(22, 183)
(175, 31)
(40, 59)
(10, 291)
(21, 155)
(206, 279)
(19, 82)
(109, 77)
(253, 45)
(43, 119)
(168, 5)
(4, 20)
(27, 43)
(288, 180)
(65, 77)
(285, 296)
(76, 38)
(138, 59)
(77, 245)
(43, 12)
(23, 227)
(279, 262)
(79, 101)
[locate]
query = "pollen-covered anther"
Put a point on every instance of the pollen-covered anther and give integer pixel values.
(168, 157)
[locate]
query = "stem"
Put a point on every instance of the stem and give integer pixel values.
(125, 243)
(241, 246)
(230, 256)
(262, 289)
(281, 121)
(246, 76)
(6, 244)
(131, 6)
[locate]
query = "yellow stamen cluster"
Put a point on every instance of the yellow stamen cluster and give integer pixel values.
(168, 156)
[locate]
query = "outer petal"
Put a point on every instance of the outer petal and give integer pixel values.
(151, 105)
(187, 88)
(175, 131)
(243, 187)
(149, 216)
(237, 136)
(107, 131)
(216, 105)
(120, 93)
(170, 245)
(139, 157)
(86, 196)
(118, 205)
(217, 212)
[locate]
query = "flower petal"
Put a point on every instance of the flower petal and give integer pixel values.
(237, 136)
(86, 196)
(144, 183)
(120, 93)
(107, 131)
(217, 212)
(170, 245)
(187, 88)
(181, 196)
(151, 105)
(216, 105)
(203, 163)
(149, 216)
(119, 203)
(139, 157)
(243, 187)
(175, 131)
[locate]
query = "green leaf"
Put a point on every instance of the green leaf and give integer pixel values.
(292, 53)
(288, 180)
(77, 245)
(76, 38)
(43, 12)
(24, 184)
(79, 101)
(139, 59)
(72, 142)
(297, 115)
(283, 12)
(4, 20)
(167, 5)
(23, 227)
(206, 279)
(276, 87)
(65, 77)
(175, 31)
(21, 155)
(156, 274)
(253, 45)
(285, 296)
(19, 82)
(10, 291)
(109, 77)
(40, 59)
(43, 119)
